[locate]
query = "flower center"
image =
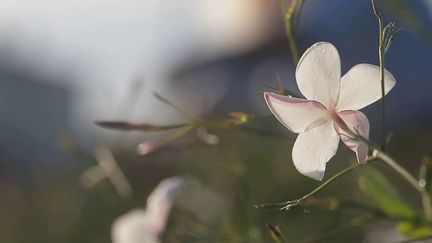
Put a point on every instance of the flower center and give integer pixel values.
(334, 116)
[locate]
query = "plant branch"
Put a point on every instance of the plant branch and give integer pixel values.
(381, 55)
(390, 162)
(288, 204)
(171, 104)
(426, 201)
(291, 15)
(377, 154)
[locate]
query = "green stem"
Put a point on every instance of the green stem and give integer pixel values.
(383, 116)
(291, 16)
(426, 201)
(296, 202)
(291, 39)
(298, 11)
(377, 153)
(381, 54)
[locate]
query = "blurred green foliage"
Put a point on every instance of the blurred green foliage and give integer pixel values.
(376, 187)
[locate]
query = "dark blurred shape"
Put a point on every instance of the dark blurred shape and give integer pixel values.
(125, 126)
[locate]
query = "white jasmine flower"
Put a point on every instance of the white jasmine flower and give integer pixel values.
(146, 225)
(330, 108)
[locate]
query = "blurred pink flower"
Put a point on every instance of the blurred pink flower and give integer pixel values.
(146, 225)
(330, 108)
(145, 148)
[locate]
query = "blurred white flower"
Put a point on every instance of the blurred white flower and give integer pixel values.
(145, 148)
(330, 108)
(146, 225)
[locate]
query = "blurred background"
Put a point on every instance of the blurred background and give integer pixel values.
(66, 64)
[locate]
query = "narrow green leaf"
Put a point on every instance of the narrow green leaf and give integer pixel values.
(414, 230)
(375, 186)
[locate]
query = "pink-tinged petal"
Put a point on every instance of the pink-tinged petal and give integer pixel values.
(313, 149)
(141, 225)
(297, 115)
(361, 86)
(318, 73)
(357, 122)
(148, 147)
(160, 201)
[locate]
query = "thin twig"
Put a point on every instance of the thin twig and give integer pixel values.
(426, 201)
(390, 162)
(174, 106)
(377, 154)
(381, 54)
(291, 16)
(298, 201)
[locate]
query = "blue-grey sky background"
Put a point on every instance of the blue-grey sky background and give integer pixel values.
(65, 64)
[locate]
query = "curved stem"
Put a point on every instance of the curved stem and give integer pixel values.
(296, 202)
(377, 153)
(426, 201)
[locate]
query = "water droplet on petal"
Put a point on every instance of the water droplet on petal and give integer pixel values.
(316, 59)
(328, 74)
(323, 50)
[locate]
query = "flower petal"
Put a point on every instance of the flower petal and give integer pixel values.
(357, 121)
(296, 114)
(318, 73)
(141, 225)
(133, 227)
(313, 149)
(160, 201)
(361, 86)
